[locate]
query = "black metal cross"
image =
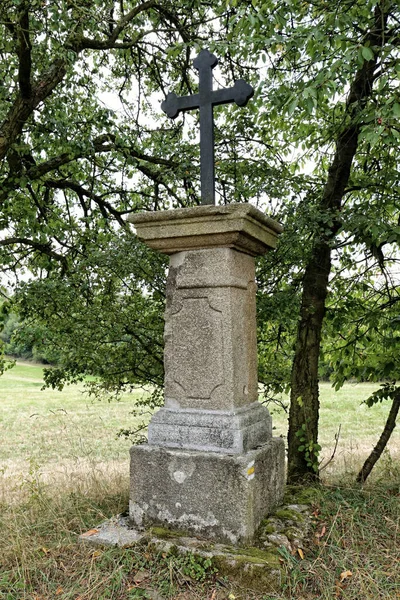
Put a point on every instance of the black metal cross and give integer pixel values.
(240, 93)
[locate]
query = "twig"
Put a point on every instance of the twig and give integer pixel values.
(337, 436)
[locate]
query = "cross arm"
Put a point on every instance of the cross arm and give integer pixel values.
(173, 104)
(240, 93)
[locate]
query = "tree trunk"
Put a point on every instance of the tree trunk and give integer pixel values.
(304, 398)
(23, 108)
(383, 440)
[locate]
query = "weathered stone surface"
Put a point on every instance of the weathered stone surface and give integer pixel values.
(255, 567)
(211, 466)
(289, 526)
(300, 508)
(210, 350)
(219, 496)
(252, 567)
(235, 431)
(278, 539)
(239, 226)
(114, 532)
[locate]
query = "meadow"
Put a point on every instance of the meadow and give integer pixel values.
(59, 436)
(63, 469)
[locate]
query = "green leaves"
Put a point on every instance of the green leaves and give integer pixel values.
(98, 148)
(396, 110)
(104, 319)
(366, 53)
(386, 391)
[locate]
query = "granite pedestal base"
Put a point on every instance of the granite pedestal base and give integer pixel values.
(218, 496)
(231, 432)
(211, 467)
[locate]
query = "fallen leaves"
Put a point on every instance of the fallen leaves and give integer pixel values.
(344, 575)
(141, 576)
(90, 532)
(139, 579)
(320, 534)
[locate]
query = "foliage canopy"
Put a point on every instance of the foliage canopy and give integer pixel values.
(317, 148)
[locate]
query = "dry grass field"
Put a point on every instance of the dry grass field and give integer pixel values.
(64, 436)
(359, 428)
(63, 470)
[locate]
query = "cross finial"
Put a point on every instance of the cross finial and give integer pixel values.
(206, 99)
(205, 59)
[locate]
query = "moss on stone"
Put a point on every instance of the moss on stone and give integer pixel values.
(167, 534)
(251, 567)
(256, 554)
(295, 494)
(250, 573)
(267, 529)
(264, 523)
(289, 515)
(294, 533)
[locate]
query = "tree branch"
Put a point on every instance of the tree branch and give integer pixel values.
(24, 53)
(383, 440)
(110, 42)
(25, 104)
(102, 143)
(43, 248)
(21, 110)
(105, 207)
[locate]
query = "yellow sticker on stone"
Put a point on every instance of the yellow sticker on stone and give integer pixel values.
(250, 470)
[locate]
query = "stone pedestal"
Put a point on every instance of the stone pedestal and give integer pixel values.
(211, 466)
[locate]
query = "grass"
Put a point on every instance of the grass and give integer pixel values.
(359, 428)
(60, 435)
(63, 470)
(50, 424)
(355, 551)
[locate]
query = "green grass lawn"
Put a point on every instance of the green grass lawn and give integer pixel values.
(63, 470)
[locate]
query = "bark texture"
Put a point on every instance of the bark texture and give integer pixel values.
(304, 400)
(383, 440)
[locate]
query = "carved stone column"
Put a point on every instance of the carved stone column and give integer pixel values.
(211, 466)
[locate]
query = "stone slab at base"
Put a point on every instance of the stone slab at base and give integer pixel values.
(114, 532)
(250, 567)
(218, 496)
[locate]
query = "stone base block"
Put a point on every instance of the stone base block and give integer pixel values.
(218, 496)
(235, 431)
